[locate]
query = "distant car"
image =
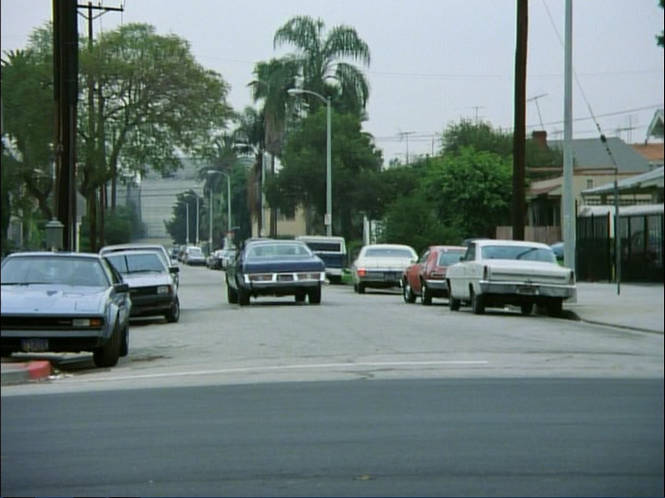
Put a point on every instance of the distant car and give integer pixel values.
(158, 248)
(332, 250)
(151, 284)
(501, 272)
(557, 249)
(427, 277)
(214, 259)
(228, 256)
(194, 256)
(64, 302)
(275, 268)
(381, 266)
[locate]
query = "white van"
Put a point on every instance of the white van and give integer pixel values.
(332, 250)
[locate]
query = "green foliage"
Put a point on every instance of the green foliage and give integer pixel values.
(471, 191)
(479, 135)
(121, 226)
(413, 220)
(302, 180)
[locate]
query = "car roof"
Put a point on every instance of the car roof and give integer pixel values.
(126, 253)
(388, 246)
(497, 242)
(447, 248)
(67, 254)
(132, 247)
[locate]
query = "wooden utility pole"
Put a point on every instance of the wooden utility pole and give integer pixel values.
(65, 79)
(519, 135)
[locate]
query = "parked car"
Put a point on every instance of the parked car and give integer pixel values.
(275, 268)
(158, 248)
(214, 259)
(331, 250)
(194, 256)
(427, 277)
(381, 266)
(501, 272)
(64, 302)
(151, 284)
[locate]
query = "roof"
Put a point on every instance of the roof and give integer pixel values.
(497, 242)
(635, 184)
(591, 153)
(59, 254)
(653, 152)
(448, 248)
(655, 128)
(638, 209)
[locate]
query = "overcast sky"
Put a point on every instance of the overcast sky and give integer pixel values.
(434, 62)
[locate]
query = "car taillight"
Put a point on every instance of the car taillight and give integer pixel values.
(362, 272)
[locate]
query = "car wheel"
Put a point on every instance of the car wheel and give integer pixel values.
(361, 288)
(300, 297)
(231, 294)
(173, 314)
(107, 355)
(124, 345)
(477, 303)
(407, 293)
(243, 297)
(314, 296)
(426, 295)
(555, 307)
(526, 308)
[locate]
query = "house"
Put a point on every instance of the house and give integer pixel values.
(594, 163)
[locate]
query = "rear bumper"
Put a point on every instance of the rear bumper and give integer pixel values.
(381, 278)
(524, 291)
(437, 286)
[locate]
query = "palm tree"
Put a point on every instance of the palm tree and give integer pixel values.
(320, 61)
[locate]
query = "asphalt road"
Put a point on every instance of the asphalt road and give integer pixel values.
(362, 395)
(398, 437)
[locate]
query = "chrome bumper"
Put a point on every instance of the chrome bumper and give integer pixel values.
(527, 289)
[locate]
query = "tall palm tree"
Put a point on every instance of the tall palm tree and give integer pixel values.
(321, 60)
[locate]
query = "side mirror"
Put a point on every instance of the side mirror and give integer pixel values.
(174, 269)
(122, 287)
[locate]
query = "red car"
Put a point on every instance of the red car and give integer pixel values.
(427, 277)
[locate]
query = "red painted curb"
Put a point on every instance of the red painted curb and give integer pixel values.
(39, 369)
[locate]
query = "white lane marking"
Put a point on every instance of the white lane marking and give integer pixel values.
(290, 367)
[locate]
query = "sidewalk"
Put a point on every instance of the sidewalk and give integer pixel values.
(637, 307)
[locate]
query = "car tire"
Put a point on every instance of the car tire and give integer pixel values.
(231, 294)
(477, 303)
(361, 288)
(555, 307)
(407, 293)
(300, 297)
(173, 314)
(425, 294)
(243, 297)
(108, 354)
(526, 308)
(314, 296)
(124, 345)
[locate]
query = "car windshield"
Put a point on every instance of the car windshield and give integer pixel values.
(136, 263)
(53, 270)
(277, 250)
(388, 252)
(520, 252)
(449, 258)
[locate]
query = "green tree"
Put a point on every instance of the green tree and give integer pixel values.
(302, 179)
(471, 191)
(321, 61)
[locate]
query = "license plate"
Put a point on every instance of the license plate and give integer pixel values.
(34, 345)
(526, 289)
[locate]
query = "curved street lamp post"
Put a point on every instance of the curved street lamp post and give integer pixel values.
(328, 218)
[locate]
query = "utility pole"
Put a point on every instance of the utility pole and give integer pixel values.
(519, 135)
(65, 79)
(406, 134)
(568, 222)
(535, 100)
(94, 153)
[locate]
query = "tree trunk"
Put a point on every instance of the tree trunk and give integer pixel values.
(92, 220)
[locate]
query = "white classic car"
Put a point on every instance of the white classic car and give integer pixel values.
(381, 266)
(494, 273)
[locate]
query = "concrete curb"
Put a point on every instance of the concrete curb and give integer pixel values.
(18, 373)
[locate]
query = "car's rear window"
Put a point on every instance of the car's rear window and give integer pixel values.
(54, 270)
(277, 250)
(386, 252)
(136, 263)
(524, 253)
(449, 258)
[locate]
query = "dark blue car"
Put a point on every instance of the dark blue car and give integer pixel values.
(267, 267)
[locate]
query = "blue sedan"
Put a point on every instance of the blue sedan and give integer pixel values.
(268, 267)
(64, 302)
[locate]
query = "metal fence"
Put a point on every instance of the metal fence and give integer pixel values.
(641, 248)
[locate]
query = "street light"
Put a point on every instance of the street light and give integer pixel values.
(328, 218)
(228, 200)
